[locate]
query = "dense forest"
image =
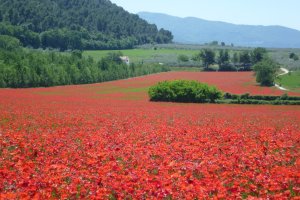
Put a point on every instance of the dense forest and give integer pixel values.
(76, 24)
(23, 67)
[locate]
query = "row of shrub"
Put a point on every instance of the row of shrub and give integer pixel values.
(247, 96)
(258, 102)
(195, 92)
(184, 91)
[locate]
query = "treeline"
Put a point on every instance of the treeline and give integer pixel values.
(21, 67)
(226, 60)
(73, 24)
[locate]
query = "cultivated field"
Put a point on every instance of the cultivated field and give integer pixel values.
(107, 141)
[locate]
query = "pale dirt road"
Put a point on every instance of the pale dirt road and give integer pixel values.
(284, 71)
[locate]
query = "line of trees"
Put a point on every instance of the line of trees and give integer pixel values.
(226, 61)
(21, 67)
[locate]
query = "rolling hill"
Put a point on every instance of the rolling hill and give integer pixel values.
(199, 31)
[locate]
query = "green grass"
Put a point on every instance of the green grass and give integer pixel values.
(189, 69)
(290, 81)
(166, 56)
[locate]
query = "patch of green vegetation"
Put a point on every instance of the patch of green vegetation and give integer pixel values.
(290, 81)
(185, 91)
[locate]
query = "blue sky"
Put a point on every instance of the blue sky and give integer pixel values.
(252, 12)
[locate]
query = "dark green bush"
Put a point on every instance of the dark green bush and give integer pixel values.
(184, 91)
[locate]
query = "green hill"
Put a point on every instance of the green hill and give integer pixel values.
(76, 24)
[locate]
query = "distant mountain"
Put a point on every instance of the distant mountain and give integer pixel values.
(76, 24)
(199, 31)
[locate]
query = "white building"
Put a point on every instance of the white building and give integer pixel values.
(125, 59)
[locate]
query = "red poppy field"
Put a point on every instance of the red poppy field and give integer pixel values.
(107, 141)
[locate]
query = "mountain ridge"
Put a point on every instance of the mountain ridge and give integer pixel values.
(198, 31)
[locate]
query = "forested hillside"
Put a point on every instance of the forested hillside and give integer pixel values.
(76, 24)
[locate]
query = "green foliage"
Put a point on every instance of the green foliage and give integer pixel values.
(183, 58)
(72, 24)
(26, 36)
(196, 57)
(9, 43)
(21, 68)
(223, 57)
(260, 99)
(258, 54)
(235, 58)
(208, 57)
(265, 72)
(184, 91)
(294, 56)
(224, 61)
(245, 60)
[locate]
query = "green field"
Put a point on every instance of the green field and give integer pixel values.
(168, 54)
(290, 81)
(161, 55)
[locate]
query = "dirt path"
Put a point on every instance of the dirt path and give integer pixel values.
(285, 71)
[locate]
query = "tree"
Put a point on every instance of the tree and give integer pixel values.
(258, 54)
(293, 56)
(183, 58)
(223, 57)
(208, 57)
(196, 57)
(245, 60)
(265, 72)
(235, 58)
(9, 43)
(224, 61)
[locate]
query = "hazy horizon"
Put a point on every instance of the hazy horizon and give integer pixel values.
(255, 12)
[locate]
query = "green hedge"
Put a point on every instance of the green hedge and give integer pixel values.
(261, 97)
(258, 102)
(184, 91)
